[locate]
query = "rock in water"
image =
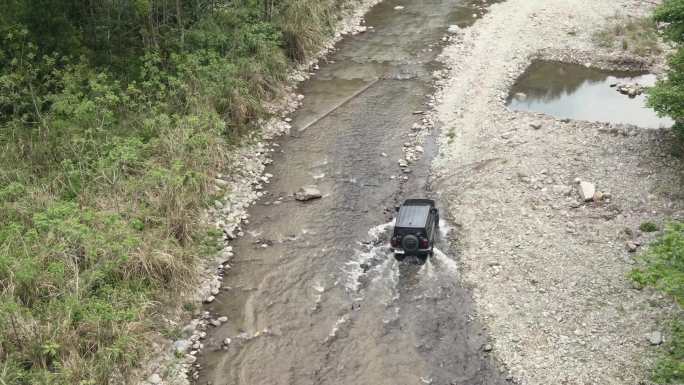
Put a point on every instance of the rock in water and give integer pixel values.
(587, 191)
(453, 29)
(307, 193)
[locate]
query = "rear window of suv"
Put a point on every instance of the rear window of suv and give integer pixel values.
(413, 216)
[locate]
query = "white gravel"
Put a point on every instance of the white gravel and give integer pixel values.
(547, 269)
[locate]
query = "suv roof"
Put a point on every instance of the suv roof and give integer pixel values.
(414, 213)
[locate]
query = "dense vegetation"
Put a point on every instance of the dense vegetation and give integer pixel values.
(114, 116)
(668, 96)
(664, 262)
(664, 270)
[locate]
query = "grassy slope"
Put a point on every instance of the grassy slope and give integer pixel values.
(102, 182)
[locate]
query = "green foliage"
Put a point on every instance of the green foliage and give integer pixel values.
(648, 227)
(114, 118)
(665, 263)
(664, 270)
(670, 368)
(672, 13)
(667, 97)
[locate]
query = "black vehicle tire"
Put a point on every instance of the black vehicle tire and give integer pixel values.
(410, 243)
(399, 257)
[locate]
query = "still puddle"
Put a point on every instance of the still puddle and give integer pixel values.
(576, 92)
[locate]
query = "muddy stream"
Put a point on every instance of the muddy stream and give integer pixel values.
(313, 295)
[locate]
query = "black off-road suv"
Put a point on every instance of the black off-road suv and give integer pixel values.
(415, 228)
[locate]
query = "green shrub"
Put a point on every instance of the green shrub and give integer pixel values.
(664, 263)
(664, 270)
(670, 368)
(648, 227)
(667, 97)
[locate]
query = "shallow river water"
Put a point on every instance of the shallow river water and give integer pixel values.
(313, 295)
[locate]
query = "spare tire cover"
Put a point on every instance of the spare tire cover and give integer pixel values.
(410, 242)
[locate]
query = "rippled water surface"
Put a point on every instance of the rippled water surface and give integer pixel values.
(325, 302)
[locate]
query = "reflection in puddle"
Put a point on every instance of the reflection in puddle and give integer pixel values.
(576, 92)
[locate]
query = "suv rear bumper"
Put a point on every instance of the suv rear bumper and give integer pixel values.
(419, 252)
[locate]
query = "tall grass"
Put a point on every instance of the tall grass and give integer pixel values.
(103, 179)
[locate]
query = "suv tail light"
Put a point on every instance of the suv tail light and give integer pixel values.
(394, 242)
(424, 243)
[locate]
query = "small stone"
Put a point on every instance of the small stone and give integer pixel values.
(300, 97)
(587, 191)
(520, 96)
(181, 346)
(561, 189)
(222, 319)
(453, 29)
(227, 341)
(154, 379)
(398, 7)
(631, 246)
(655, 338)
(403, 163)
(215, 323)
(209, 299)
(307, 193)
(488, 348)
(507, 135)
(190, 359)
(536, 126)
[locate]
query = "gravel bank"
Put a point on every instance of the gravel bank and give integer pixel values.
(548, 269)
